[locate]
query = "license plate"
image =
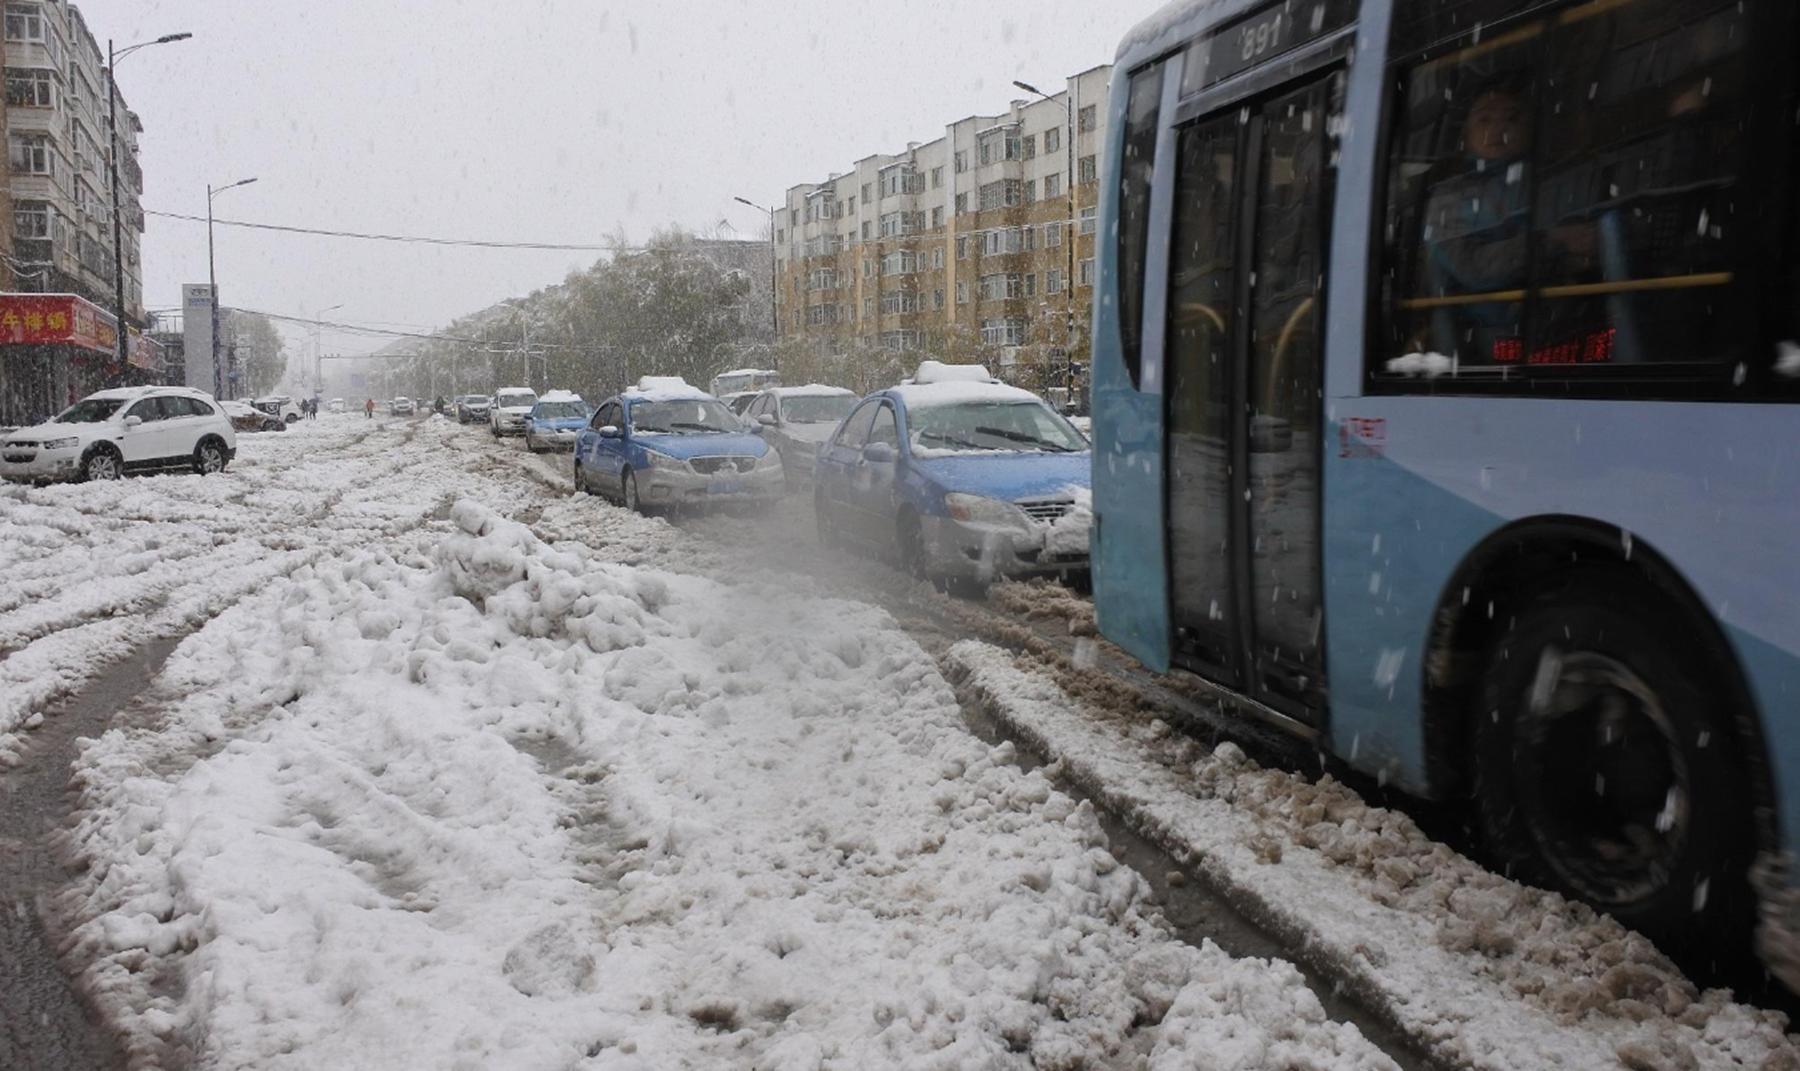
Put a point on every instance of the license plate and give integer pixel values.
(724, 487)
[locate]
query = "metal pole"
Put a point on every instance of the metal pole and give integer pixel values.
(774, 305)
(112, 153)
(212, 283)
(1069, 283)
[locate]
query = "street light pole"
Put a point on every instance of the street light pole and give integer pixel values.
(212, 282)
(774, 286)
(318, 365)
(1069, 237)
(112, 157)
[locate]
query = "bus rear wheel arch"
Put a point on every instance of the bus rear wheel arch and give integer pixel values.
(1570, 667)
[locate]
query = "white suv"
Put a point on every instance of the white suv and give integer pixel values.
(112, 432)
(511, 406)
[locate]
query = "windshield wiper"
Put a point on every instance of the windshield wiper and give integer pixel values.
(1021, 437)
(949, 440)
(695, 426)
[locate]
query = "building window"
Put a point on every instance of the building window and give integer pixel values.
(1031, 284)
(868, 230)
(1086, 171)
(962, 203)
(1003, 240)
(25, 22)
(780, 237)
(820, 315)
(1053, 186)
(1089, 119)
(1001, 286)
(900, 341)
(1004, 331)
(31, 154)
(903, 262)
(1030, 146)
(962, 162)
(868, 306)
(1002, 194)
(937, 218)
(996, 146)
(937, 258)
(867, 192)
(30, 87)
(937, 298)
(962, 248)
(894, 302)
(900, 179)
(1031, 191)
(1088, 220)
(1052, 140)
(1086, 275)
(822, 279)
(868, 267)
(1052, 235)
(937, 177)
(1053, 281)
(962, 293)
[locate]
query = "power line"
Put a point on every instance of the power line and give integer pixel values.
(387, 333)
(418, 239)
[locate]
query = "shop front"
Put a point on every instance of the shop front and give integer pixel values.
(56, 349)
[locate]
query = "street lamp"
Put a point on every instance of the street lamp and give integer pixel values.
(112, 155)
(1068, 238)
(524, 336)
(774, 307)
(318, 365)
(212, 282)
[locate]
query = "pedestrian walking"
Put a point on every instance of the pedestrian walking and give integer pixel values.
(369, 409)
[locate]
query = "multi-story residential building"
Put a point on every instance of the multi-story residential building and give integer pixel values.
(60, 219)
(967, 242)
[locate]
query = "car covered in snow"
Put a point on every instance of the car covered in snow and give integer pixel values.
(281, 407)
(113, 432)
(402, 407)
(665, 444)
(797, 421)
(961, 477)
(335, 405)
(555, 420)
(510, 407)
(472, 408)
(247, 417)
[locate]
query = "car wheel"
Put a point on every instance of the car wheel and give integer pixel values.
(628, 493)
(102, 463)
(209, 457)
(1607, 768)
(909, 541)
(580, 476)
(292, 419)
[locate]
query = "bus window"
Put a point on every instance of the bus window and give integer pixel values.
(1137, 163)
(1563, 192)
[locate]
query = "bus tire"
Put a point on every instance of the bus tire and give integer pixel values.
(1607, 769)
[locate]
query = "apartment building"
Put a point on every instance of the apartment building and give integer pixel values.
(57, 235)
(966, 244)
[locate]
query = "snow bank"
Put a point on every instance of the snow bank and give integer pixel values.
(1481, 971)
(504, 805)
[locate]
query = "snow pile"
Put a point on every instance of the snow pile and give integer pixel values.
(1068, 534)
(503, 805)
(1480, 970)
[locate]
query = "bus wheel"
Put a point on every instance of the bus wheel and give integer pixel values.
(1607, 769)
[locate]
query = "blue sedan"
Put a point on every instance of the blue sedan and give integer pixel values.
(961, 481)
(663, 446)
(555, 421)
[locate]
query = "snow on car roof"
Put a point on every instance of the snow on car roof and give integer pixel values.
(923, 395)
(811, 390)
(559, 396)
(939, 372)
(746, 372)
(664, 389)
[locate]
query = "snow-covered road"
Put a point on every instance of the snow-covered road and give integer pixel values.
(456, 770)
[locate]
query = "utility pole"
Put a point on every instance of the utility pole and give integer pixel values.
(212, 281)
(774, 286)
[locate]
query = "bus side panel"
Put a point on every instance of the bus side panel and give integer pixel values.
(1415, 484)
(1129, 551)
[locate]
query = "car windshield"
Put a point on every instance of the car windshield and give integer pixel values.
(514, 401)
(699, 415)
(1020, 426)
(562, 411)
(90, 411)
(817, 409)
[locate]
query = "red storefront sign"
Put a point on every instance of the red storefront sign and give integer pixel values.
(67, 320)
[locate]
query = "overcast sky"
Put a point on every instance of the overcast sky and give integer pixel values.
(535, 120)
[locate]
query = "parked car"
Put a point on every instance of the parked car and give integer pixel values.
(738, 401)
(555, 421)
(281, 407)
(335, 405)
(665, 444)
(131, 429)
(961, 477)
(797, 421)
(506, 416)
(402, 407)
(472, 408)
(247, 417)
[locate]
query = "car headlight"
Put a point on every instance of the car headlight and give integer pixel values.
(63, 444)
(981, 510)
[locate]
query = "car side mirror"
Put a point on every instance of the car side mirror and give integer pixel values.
(767, 420)
(612, 431)
(879, 453)
(133, 421)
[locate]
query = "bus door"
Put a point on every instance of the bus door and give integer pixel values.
(1245, 391)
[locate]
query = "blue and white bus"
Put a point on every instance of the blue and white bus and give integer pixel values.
(1446, 397)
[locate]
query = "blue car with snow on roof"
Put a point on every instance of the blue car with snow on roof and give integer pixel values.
(960, 477)
(665, 444)
(556, 420)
